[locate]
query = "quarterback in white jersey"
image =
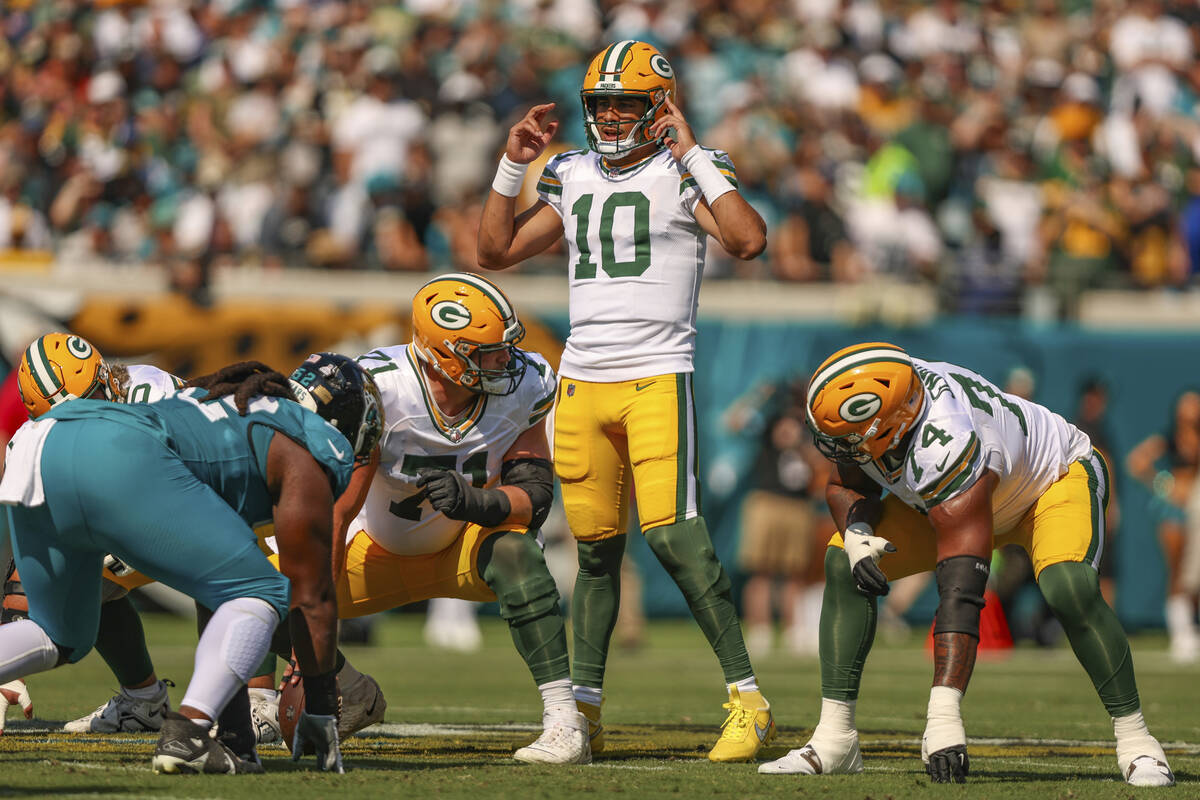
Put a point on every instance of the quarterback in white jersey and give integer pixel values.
(459, 486)
(56, 368)
(966, 468)
(636, 210)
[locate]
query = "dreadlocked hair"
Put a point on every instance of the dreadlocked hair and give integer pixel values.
(244, 380)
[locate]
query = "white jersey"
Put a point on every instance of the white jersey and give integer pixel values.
(968, 426)
(149, 384)
(636, 258)
(395, 514)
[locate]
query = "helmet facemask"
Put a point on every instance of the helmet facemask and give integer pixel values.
(497, 380)
(638, 135)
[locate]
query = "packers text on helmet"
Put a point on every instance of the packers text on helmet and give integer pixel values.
(60, 367)
(862, 401)
(626, 69)
(458, 321)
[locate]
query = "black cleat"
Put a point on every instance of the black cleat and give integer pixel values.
(185, 747)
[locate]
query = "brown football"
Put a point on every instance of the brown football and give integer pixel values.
(291, 703)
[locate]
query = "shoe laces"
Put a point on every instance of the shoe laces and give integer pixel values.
(737, 725)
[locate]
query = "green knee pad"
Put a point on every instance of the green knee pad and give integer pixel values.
(513, 566)
(685, 550)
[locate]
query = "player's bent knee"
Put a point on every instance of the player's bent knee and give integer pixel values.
(1071, 589)
(513, 566)
(685, 550)
(601, 557)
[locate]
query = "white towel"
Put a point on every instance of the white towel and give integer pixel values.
(22, 483)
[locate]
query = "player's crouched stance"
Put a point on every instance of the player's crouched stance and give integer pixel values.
(179, 503)
(967, 468)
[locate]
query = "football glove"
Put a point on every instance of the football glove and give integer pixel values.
(319, 731)
(452, 494)
(949, 765)
(864, 550)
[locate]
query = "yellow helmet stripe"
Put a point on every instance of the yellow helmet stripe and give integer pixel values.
(872, 355)
(614, 57)
(43, 375)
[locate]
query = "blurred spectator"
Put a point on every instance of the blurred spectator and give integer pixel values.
(784, 524)
(1167, 465)
(984, 147)
(1091, 417)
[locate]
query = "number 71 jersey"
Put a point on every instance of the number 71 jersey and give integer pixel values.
(968, 426)
(396, 514)
(636, 257)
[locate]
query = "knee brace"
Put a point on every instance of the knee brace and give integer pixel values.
(686, 552)
(513, 566)
(961, 581)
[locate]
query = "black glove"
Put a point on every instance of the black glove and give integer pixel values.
(949, 765)
(452, 494)
(319, 731)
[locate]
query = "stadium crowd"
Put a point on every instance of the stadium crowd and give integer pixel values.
(980, 146)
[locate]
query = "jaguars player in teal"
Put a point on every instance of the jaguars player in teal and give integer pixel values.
(175, 489)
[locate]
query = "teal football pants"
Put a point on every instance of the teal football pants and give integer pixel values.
(112, 488)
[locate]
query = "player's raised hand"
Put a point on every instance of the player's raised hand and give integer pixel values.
(674, 131)
(529, 137)
(15, 693)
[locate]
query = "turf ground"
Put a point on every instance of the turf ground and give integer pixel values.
(1037, 729)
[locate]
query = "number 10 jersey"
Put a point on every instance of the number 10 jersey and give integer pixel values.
(636, 256)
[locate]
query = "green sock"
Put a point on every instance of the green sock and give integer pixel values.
(513, 566)
(1072, 590)
(686, 551)
(594, 607)
(847, 629)
(121, 642)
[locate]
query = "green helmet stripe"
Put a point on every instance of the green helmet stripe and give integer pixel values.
(501, 303)
(615, 56)
(39, 368)
(874, 355)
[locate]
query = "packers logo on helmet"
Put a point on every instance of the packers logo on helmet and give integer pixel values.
(630, 69)
(60, 367)
(862, 401)
(459, 321)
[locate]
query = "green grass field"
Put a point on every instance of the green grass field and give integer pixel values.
(1037, 729)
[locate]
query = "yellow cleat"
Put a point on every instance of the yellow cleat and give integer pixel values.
(749, 726)
(595, 729)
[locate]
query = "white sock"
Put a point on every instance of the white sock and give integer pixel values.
(744, 685)
(25, 649)
(145, 693)
(557, 697)
(1130, 727)
(233, 643)
(837, 719)
(1134, 739)
(204, 723)
(1179, 617)
(588, 694)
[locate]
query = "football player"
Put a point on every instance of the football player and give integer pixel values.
(967, 468)
(56, 368)
(462, 485)
(179, 505)
(636, 209)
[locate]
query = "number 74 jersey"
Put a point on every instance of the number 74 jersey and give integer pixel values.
(636, 258)
(396, 514)
(968, 426)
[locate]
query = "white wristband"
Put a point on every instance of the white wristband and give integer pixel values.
(510, 177)
(709, 179)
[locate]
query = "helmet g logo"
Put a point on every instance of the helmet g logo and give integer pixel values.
(860, 407)
(79, 347)
(451, 315)
(661, 66)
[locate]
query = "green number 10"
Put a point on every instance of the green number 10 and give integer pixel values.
(585, 267)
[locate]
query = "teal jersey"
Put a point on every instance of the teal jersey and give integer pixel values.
(223, 449)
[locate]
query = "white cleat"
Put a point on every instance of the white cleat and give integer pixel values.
(843, 759)
(1149, 771)
(125, 713)
(563, 741)
(264, 716)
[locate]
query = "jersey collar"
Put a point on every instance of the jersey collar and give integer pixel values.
(458, 431)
